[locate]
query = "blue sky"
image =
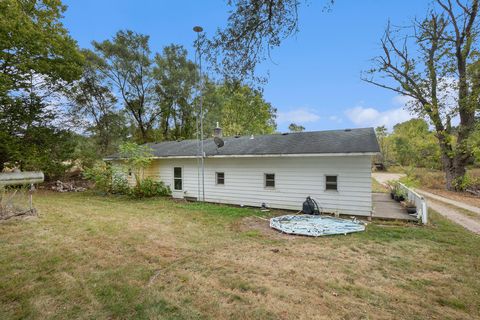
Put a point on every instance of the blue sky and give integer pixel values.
(314, 77)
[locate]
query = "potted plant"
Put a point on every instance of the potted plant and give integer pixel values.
(399, 195)
(410, 206)
(393, 188)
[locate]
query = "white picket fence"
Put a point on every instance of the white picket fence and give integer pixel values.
(420, 203)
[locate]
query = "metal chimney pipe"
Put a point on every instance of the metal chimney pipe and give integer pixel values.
(217, 132)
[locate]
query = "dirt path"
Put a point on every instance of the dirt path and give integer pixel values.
(455, 216)
(450, 201)
(383, 177)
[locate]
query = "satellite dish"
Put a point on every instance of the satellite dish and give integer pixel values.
(219, 142)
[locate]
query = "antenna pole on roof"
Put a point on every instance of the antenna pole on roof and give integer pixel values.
(198, 30)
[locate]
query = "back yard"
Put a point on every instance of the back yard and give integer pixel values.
(92, 257)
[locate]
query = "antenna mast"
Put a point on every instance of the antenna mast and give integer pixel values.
(198, 30)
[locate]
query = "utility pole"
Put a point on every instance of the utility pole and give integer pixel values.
(198, 54)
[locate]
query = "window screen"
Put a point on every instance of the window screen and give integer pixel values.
(177, 178)
(330, 182)
(220, 177)
(269, 180)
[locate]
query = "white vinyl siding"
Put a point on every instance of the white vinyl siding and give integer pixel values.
(295, 179)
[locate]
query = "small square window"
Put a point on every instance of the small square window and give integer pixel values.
(269, 180)
(331, 183)
(220, 177)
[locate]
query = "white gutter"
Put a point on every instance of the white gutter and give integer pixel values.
(264, 155)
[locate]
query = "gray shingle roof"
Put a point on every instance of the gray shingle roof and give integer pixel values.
(315, 142)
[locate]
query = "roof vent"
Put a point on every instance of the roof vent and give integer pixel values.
(217, 132)
(252, 137)
(348, 130)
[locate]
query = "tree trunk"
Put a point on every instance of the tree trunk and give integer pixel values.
(454, 169)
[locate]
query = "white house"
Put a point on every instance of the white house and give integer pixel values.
(280, 170)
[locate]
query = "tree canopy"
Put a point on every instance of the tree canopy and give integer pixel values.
(435, 62)
(38, 59)
(33, 40)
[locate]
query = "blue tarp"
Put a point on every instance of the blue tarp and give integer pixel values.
(315, 225)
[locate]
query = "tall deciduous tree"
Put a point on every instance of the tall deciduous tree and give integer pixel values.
(254, 28)
(128, 65)
(240, 110)
(38, 59)
(33, 40)
(415, 145)
(28, 138)
(94, 107)
(176, 77)
(443, 78)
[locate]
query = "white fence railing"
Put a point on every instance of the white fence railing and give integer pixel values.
(420, 202)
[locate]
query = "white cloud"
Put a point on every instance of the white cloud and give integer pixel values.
(371, 117)
(299, 116)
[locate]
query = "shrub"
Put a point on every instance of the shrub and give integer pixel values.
(106, 179)
(101, 175)
(147, 188)
(119, 184)
(465, 182)
(110, 181)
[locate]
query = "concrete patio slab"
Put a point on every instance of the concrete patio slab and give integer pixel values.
(386, 208)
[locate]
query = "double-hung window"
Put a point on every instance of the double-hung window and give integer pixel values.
(220, 177)
(331, 183)
(269, 180)
(177, 178)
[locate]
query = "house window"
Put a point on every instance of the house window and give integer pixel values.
(177, 178)
(220, 176)
(269, 180)
(331, 183)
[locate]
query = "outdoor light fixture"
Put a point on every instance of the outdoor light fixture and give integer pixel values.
(198, 30)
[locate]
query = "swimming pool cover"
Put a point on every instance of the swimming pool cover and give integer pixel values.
(315, 225)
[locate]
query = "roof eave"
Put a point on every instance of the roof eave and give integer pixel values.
(345, 154)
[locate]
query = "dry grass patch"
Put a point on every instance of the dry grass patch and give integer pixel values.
(378, 187)
(92, 257)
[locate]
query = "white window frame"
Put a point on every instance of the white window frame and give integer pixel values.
(265, 181)
(336, 183)
(216, 178)
(181, 178)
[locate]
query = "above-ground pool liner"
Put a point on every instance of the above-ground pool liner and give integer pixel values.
(314, 225)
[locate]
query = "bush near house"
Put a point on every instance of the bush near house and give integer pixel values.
(106, 179)
(149, 188)
(109, 180)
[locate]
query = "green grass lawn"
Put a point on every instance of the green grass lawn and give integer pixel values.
(92, 257)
